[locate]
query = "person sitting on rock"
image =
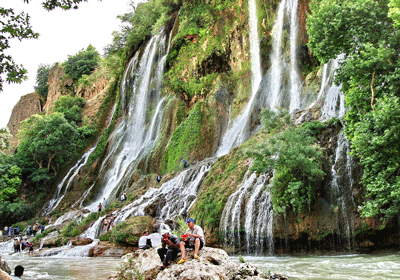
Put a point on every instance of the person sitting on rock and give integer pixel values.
(145, 241)
(166, 254)
(193, 238)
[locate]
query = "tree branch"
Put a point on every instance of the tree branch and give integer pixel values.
(373, 92)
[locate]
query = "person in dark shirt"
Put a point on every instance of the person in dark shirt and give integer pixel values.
(169, 249)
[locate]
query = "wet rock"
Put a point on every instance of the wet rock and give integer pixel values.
(4, 266)
(81, 241)
(108, 250)
(212, 264)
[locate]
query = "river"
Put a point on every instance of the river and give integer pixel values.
(355, 267)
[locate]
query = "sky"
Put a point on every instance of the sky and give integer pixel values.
(62, 33)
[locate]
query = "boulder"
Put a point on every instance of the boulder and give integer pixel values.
(81, 241)
(212, 264)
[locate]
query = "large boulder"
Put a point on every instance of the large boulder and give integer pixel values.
(212, 264)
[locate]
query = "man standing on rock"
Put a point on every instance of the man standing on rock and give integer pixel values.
(172, 243)
(193, 238)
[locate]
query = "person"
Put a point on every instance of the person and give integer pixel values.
(34, 229)
(29, 230)
(158, 178)
(18, 272)
(123, 197)
(185, 164)
(16, 231)
(193, 238)
(104, 202)
(111, 222)
(30, 246)
(145, 241)
(1, 235)
(11, 231)
(42, 228)
(169, 248)
(99, 207)
(6, 231)
(105, 224)
(16, 245)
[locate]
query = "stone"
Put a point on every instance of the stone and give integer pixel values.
(81, 241)
(212, 263)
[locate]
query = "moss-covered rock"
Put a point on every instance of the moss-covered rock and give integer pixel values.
(128, 232)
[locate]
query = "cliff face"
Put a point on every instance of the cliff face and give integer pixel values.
(27, 106)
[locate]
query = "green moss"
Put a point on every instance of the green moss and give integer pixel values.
(186, 138)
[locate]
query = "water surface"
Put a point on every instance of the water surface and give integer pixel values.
(64, 268)
(354, 267)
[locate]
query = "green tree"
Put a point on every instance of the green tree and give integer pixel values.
(10, 179)
(42, 79)
(82, 63)
(17, 26)
(363, 30)
(394, 12)
(4, 139)
(71, 107)
(296, 160)
(50, 141)
(12, 27)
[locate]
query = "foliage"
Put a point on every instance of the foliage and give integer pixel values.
(376, 141)
(10, 181)
(49, 141)
(71, 107)
(366, 32)
(42, 78)
(4, 139)
(394, 11)
(143, 20)
(186, 138)
(13, 27)
(82, 63)
(70, 230)
(295, 159)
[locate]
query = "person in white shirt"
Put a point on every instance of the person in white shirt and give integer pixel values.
(145, 241)
(193, 238)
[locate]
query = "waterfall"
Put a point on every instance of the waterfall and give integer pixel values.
(285, 70)
(239, 131)
(7, 247)
(342, 187)
(137, 132)
(172, 199)
(55, 201)
(253, 199)
(295, 82)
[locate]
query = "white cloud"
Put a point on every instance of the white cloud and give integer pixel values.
(62, 33)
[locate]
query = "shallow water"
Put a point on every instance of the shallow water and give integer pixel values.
(354, 267)
(64, 268)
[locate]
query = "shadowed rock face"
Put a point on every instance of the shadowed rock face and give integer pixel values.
(212, 264)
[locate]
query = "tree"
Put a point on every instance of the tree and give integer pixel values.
(12, 27)
(71, 107)
(296, 160)
(18, 27)
(42, 79)
(4, 139)
(364, 32)
(50, 141)
(82, 63)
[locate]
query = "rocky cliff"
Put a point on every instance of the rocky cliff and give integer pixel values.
(27, 106)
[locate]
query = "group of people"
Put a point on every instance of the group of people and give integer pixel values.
(30, 230)
(170, 244)
(108, 223)
(22, 243)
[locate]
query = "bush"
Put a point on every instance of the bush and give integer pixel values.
(42, 78)
(82, 63)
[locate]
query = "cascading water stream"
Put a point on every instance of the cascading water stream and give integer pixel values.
(285, 84)
(253, 199)
(342, 187)
(238, 132)
(173, 198)
(137, 132)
